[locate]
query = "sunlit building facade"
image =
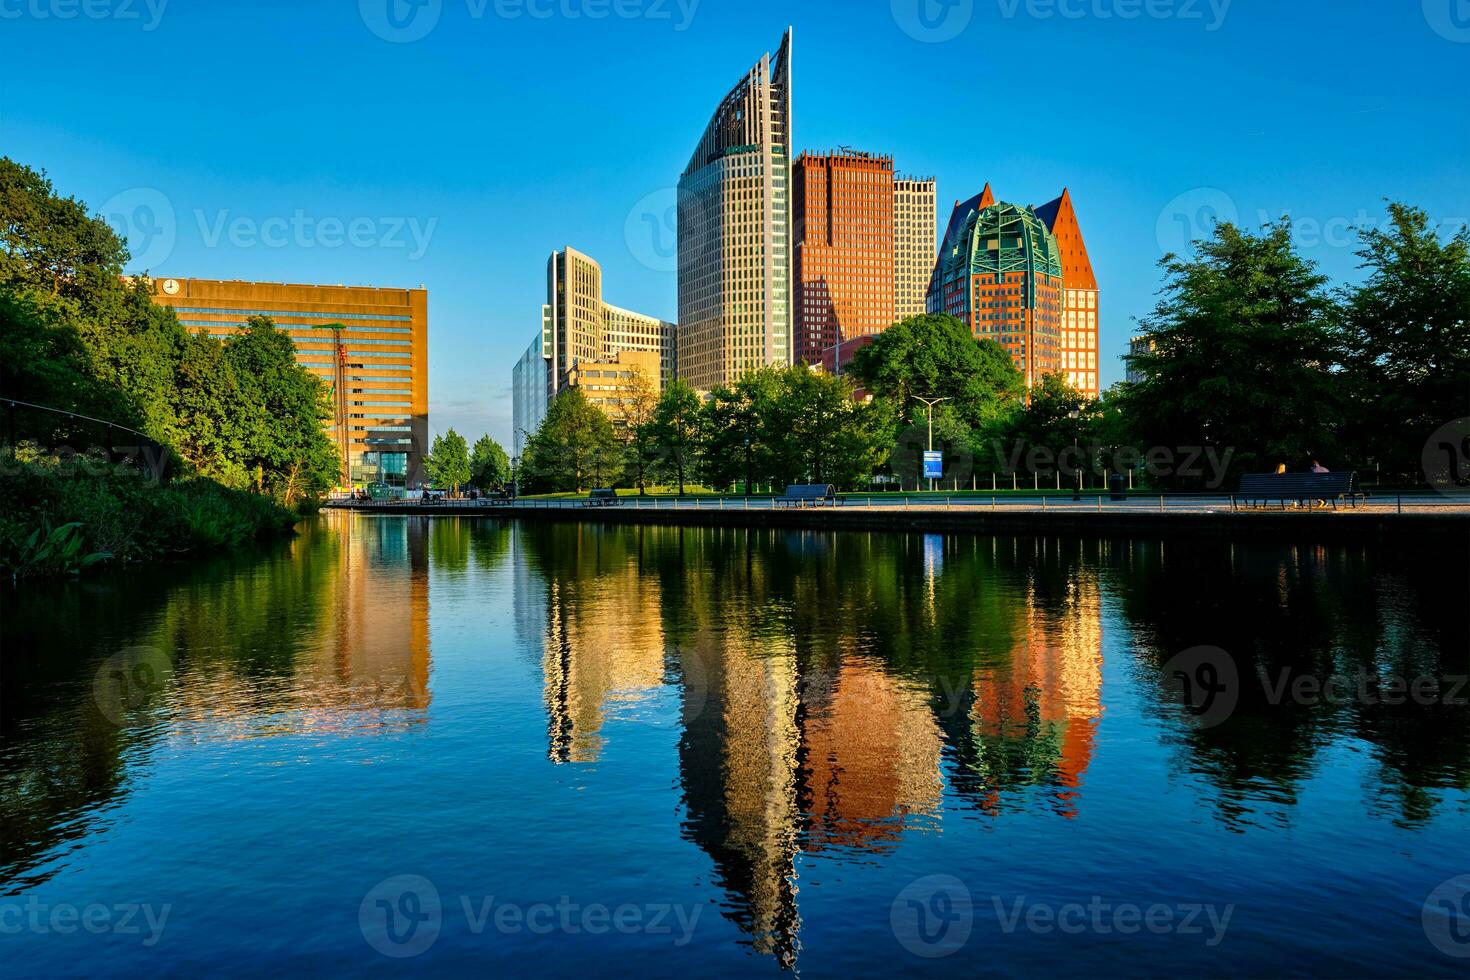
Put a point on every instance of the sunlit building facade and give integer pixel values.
(376, 366)
(914, 243)
(1049, 322)
(1138, 346)
(626, 332)
(1079, 309)
(734, 234)
(612, 386)
(578, 328)
(1000, 271)
(529, 389)
(844, 250)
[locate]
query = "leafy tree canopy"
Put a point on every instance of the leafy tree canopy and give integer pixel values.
(489, 464)
(448, 464)
(574, 448)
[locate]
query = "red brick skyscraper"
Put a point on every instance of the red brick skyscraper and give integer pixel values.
(844, 249)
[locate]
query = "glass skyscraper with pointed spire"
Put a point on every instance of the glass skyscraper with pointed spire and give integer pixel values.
(735, 303)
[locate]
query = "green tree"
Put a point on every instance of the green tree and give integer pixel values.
(448, 464)
(45, 361)
(51, 243)
(734, 435)
(676, 430)
(1243, 353)
(636, 400)
(489, 464)
(210, 412)
(936, 356)
(822, 434)
(574, 448)
(78, 336)
(1406, 338)
(1056, 430)
(280, 414)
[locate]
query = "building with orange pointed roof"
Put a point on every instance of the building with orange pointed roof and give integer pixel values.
(1079, 310)
(999, 270)
(1021, 276)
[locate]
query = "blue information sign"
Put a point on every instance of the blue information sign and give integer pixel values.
(933, 465)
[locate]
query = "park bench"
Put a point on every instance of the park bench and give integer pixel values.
(602, 497)
(815, 494)
(499, 498)
(1260, 489)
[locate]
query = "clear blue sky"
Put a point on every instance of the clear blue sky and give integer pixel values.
(501, 136)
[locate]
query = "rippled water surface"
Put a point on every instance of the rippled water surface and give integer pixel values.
(468, 745)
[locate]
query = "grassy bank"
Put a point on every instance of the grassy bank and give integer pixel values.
(56, 520)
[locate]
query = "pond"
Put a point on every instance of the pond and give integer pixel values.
(403, 743)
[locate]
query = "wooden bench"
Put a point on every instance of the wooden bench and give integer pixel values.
(815, 494)
(500, 498)
(1260, 489)
(602, 497)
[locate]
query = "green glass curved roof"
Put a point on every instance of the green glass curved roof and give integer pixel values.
(995, 240)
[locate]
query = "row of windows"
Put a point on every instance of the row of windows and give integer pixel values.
(304, 344)
(299, 314)
(360, 340)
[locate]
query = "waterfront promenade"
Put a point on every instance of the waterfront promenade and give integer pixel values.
(1413, 514)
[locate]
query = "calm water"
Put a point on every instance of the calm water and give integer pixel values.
(461, 745)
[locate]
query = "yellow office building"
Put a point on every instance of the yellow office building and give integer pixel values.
(376, 365)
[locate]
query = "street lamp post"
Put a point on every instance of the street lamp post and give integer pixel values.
(1075, 415)
(929, 404)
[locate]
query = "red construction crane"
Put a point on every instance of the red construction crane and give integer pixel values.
(339, 400)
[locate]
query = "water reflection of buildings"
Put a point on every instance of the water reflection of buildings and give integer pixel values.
(871, 757)
(778, 760)
(603, 644)
(350, 637)
(1034, 720)
(799, 733)
(326, 634)
(379, 616)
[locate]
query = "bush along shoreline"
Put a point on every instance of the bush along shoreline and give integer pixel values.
(60, 519)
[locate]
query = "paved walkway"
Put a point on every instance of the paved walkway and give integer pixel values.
(1136, 504)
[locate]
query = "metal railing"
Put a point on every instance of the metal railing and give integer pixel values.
(1101, 503)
